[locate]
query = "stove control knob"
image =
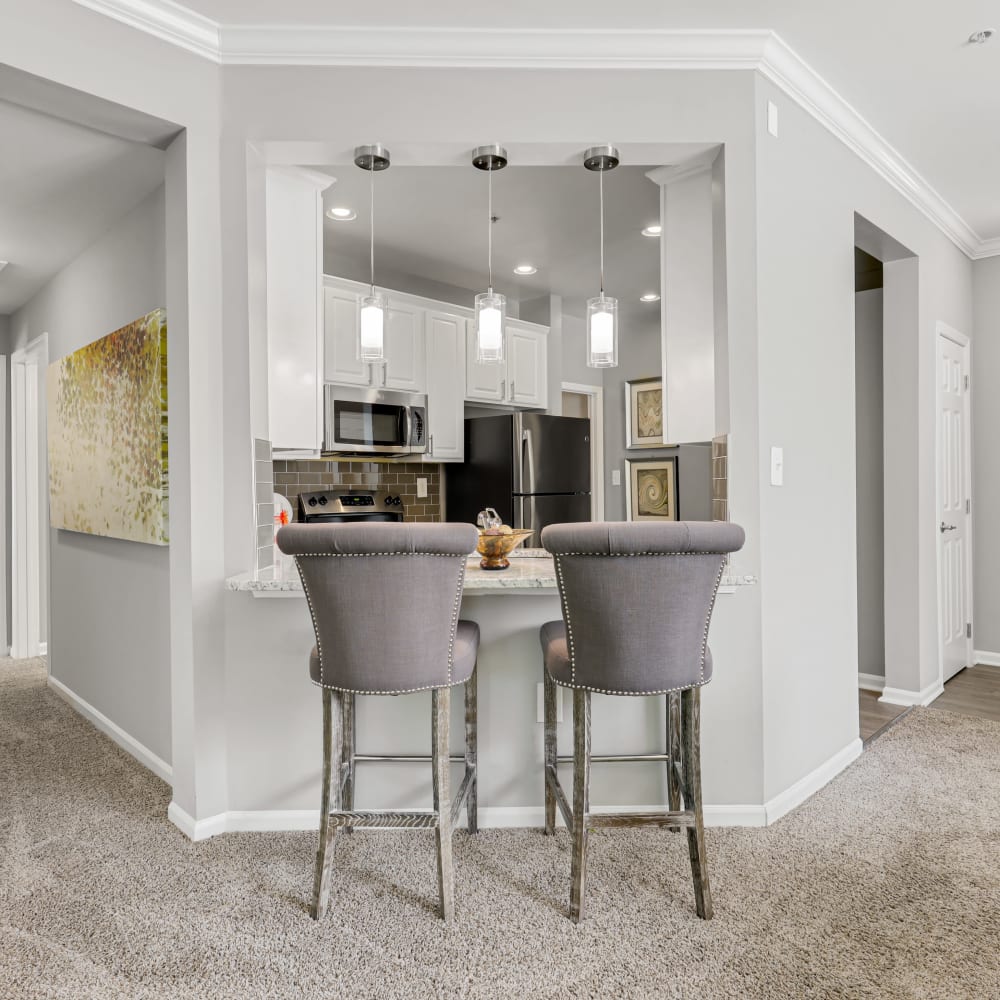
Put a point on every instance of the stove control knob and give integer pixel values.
(397, 501)
(322, 501)
(388, 500)
(312, 501)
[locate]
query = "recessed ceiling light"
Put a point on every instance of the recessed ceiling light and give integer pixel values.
(981, 37)
(525, 269)
(341, 214)
(653, 230)
(649, 297)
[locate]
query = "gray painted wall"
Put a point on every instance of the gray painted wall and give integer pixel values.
(5, 350)
(809, 187)
(870, 492)
(109, 599)
(986, 455)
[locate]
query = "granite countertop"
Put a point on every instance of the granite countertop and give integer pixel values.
(530, 569)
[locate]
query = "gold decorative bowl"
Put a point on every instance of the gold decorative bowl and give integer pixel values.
(495, 548)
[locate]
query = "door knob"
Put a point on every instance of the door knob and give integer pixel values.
(947, 527)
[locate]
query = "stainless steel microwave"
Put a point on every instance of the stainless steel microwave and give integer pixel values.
(367, 421)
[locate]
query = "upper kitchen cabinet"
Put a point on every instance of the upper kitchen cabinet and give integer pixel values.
(521, 380)
(342, 312)
(406, 363)
(445, 402)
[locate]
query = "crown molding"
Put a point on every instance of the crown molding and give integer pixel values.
(987, 248)
(168, 21)
(520, 48)
(752, 49)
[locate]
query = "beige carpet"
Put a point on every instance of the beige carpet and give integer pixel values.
(886, 884)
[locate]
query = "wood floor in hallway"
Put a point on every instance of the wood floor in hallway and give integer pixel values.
(974, 691)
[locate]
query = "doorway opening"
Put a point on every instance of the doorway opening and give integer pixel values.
(29, 473)
(587, 401)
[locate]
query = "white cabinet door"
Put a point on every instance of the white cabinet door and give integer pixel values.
(445, 403)
(527, 366)
(342, 310)
(486, 383)
(405, 354)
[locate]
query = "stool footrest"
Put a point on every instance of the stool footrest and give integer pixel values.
(619, 758)
(641, 819)
(386, 820)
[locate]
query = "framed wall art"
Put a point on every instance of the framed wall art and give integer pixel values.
(651, 489)
(644, 413)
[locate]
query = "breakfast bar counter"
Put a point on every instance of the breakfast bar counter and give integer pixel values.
(274, 718)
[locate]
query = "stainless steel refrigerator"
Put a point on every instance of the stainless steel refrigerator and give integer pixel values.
(534, 468)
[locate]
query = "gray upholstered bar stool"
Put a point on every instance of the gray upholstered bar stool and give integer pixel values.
(637, 601)
(384, 601)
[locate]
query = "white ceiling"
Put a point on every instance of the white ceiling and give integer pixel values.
(903, 66)
(61, 188)
(431, 223)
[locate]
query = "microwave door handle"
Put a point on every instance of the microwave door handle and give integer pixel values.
(408, 441)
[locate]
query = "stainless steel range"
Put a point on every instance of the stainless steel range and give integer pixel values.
(339, 505)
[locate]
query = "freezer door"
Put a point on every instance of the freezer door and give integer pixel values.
(551, 454)
(534, 513)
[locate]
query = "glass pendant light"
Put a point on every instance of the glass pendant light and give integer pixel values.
(602, 310)
(491, 307)
(371, 329)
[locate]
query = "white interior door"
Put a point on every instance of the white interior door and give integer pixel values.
(954, 503)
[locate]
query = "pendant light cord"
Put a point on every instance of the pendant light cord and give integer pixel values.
(371, 172)
(489, 223)
(601, 176)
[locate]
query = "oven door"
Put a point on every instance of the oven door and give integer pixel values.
(372, 421)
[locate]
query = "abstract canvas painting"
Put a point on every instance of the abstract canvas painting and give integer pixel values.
(107, 434)
(651, 490)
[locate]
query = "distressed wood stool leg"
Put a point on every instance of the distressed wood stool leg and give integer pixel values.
(347, 743)
(674, 753)
(581, 803)
(551, 750)
(472, 748)
(691, 725)
(440, 714)
(330, 799)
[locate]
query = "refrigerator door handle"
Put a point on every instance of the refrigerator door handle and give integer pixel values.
(527, 452)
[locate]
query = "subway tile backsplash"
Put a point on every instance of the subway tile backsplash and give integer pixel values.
(720, 478)
(310, 475)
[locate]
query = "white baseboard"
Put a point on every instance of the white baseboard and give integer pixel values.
(784, 802)
(984, 658)
(902, 696)
(490, 818)
(200, 829)
(128, 743)
(871, 682)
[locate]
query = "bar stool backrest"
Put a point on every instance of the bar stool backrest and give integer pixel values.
(637, 600)
(384, 600)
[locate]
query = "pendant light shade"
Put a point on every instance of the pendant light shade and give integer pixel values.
(491, 307)
(602, 310)
(371, 329)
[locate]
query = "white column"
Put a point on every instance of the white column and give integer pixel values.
(687, 294)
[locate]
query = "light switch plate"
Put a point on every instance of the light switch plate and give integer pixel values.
(772, 118)
(777, 466)
(541, 704)
(421, 486)
(616, 477)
